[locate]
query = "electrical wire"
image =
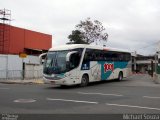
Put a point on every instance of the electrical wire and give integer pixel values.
(148, 46)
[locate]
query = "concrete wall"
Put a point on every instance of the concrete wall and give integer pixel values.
(3, 66)
(11, 67)
(33, 71)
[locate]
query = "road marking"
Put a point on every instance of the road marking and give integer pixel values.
(100, 94)
(4, 88)
(131, 106)
(151, 97)
(24, 100)
(66, 100)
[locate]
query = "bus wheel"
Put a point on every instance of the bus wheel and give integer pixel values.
(84, 81)
(120, 76)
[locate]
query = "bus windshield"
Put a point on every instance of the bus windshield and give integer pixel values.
(55, 62)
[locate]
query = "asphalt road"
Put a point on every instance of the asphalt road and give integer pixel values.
(137, 94)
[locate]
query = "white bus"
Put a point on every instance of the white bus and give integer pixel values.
(81, 64)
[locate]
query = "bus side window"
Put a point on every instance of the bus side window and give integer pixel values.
(87, 56)
(74, 60)
(121, 56)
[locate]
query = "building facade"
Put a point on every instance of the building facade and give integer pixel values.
(143, 64)
(14, 40)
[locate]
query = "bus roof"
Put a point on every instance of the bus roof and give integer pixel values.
(74, 46)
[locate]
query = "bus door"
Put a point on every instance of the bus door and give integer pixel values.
(73, 59)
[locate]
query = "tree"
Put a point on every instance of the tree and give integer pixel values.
(76, 37)
(88, 32)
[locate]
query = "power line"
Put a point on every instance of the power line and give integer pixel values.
(148, 45)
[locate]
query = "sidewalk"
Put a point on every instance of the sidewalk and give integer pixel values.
(30, 81)
(142, 80)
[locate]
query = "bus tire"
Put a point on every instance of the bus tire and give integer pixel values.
(120, 76)
(84, 81)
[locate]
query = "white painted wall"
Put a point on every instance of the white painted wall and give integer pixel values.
(32, 60)
(14, 62)
(33, 71)
(11, 66)
(3, 66)
(3, 60)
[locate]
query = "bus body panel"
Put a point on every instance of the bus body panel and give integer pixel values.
(69, 78)
(106, 70)
(110, 70)
(96, 70)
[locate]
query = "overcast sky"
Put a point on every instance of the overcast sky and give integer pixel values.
(131, 24)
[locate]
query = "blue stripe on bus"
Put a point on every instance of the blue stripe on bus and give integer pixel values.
(106, 75)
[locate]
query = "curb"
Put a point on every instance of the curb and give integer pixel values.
(22, 81)
(39, 82)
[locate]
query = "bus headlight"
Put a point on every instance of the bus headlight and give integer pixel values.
(66, 75)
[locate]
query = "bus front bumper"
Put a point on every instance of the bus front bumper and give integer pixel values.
(64, 81)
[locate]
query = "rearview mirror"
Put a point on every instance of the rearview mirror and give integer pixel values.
(69, 55)
(41, 56)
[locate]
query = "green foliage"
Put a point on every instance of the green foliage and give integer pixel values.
(88, 32)
(76, 37)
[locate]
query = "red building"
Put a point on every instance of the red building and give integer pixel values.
(14, 40)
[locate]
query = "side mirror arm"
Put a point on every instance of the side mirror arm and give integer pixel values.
(40, 57)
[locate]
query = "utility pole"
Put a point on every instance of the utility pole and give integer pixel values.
(156, 62)
(134, 61)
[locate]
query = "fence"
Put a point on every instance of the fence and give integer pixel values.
(19, 74)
